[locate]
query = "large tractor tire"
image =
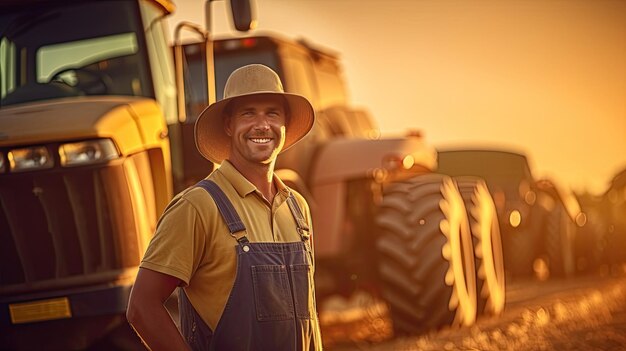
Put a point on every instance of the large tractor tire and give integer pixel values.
(483, 221)
(559, 234)
(426, 261)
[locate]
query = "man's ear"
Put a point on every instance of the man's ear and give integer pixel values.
(227, 128)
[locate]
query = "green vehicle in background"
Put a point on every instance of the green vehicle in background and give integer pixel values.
(538, 221)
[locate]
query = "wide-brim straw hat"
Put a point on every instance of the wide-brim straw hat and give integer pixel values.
(211, 138)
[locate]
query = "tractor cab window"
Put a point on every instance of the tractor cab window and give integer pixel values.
(7, 64)
(226, 61)
(52, 51)
(84, 64)
(225, 64)
(161, 60)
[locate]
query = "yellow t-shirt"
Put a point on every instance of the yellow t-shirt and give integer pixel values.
(193, 244)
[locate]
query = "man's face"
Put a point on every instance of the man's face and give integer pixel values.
(256, 126)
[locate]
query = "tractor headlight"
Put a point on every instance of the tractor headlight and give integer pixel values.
(581, 219)
(515, 218)
(29, 159)
(87, 152)
(530, 197)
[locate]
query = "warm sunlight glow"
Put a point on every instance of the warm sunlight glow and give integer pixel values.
(546, 77)
(515, 218)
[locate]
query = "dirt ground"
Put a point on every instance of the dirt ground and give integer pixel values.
(586, 313)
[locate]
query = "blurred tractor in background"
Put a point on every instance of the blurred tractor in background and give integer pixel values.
(591, 239)
(537, 221)
(602, 242)
(614, 208)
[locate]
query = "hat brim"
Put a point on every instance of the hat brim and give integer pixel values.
(214, 144)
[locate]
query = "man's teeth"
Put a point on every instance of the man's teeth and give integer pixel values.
(260, 140)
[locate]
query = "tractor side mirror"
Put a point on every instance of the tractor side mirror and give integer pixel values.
(243, 14)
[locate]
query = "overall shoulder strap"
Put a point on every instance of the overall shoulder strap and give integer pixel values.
(303, 227)
(229, 214)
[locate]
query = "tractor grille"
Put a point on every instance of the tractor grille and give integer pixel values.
(65, 225)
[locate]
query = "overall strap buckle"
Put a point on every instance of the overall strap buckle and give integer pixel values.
(296, 212)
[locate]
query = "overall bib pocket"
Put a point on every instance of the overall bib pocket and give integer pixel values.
(271, 293)
(301, 277)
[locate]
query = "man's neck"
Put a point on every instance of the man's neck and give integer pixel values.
(260, 175)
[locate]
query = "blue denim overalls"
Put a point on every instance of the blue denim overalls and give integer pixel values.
(272, 303)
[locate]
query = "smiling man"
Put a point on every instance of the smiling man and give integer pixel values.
(239, 242)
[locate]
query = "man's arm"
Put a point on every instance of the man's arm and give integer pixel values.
(147, 314)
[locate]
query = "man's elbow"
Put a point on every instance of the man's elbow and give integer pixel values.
(133, 312)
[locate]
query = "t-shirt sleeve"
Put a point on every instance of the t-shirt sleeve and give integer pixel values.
(178, 243)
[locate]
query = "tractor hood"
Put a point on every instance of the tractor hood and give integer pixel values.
(343, 159)
(133, 123)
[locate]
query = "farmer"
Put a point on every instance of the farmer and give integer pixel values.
(239, 242)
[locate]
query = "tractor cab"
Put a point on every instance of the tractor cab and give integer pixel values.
(94, 48)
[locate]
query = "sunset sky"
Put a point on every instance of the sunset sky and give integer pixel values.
(544, 77)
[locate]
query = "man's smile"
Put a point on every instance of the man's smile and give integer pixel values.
(261, 140)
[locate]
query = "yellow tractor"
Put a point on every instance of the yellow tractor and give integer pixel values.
(92, 145)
